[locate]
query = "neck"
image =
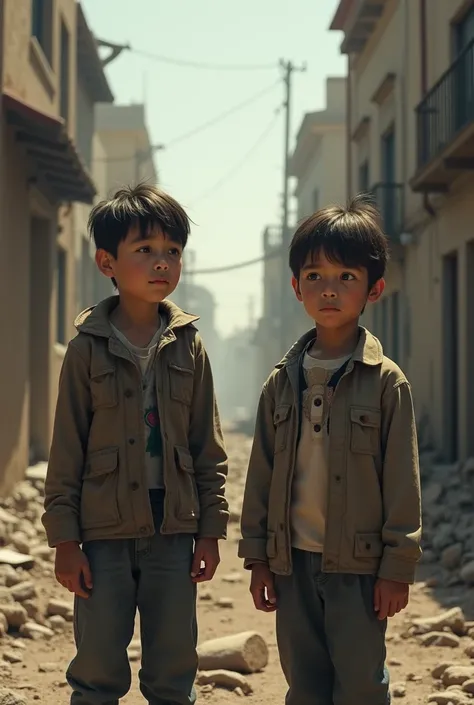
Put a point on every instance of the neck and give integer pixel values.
(337, 342)
(136, 314)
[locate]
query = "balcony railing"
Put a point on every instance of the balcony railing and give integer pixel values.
(443, 116)
(389, 200)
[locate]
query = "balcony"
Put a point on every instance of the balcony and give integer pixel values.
(389, 201)
(358, 20)
(445, 127)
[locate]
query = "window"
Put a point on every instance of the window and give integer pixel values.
(315, 200)
(364, 177)
(61, 268)
(64, 72)
(42, 25)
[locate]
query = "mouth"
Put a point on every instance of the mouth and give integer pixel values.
(157, 282)
(329, 308)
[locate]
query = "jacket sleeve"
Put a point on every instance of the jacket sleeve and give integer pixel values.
(401, 532)
(252, 546)
(207, 448)
(66, 461)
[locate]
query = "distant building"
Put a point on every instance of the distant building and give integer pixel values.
(129, 153)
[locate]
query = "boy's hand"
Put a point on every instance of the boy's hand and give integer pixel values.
(72, 569)
(205, 551)
(262, 587)
(390, 598)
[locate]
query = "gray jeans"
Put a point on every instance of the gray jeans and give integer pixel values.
(331, 644)
(153, 575)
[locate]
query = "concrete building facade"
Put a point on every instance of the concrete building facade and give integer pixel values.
(41, 174)
(411, 141)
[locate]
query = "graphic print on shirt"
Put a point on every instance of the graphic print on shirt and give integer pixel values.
(154, 446)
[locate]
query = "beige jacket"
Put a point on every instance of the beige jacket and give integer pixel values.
(96, 483)
(373, 523)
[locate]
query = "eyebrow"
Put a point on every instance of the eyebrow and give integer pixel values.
(315, 265)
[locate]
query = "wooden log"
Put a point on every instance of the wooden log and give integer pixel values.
(224, 679)
(246, 652)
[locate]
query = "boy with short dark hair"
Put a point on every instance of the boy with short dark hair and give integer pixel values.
(135, 499)
(331, 517)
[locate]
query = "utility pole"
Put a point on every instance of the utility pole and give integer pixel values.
(289, 68)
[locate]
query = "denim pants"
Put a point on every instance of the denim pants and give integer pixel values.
(153, 575)
(331, 644)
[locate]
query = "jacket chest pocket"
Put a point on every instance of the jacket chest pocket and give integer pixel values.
(281, 424)
(181, 383)
(365, 430)
(99, 500)
(103, 388)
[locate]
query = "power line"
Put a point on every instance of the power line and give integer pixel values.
(229, 174)
(222, 116)
(240, 265)
(204, 126)
(185, 63)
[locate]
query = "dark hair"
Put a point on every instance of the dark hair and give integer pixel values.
(143, 206)
(351, 236)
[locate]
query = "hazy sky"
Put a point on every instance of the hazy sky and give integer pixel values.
(229, 217)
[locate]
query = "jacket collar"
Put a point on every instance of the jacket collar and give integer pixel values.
(96, 319)
(368, 351)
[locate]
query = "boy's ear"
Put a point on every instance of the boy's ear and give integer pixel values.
(377, 290)
(104, 261)
(296, 286)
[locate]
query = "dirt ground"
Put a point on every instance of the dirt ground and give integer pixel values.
(409, 663)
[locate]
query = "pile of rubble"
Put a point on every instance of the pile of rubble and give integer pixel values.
(448, 520)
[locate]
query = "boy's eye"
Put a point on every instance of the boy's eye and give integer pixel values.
(347, 276)
(313, 276)
(145, 249)
(175, 252)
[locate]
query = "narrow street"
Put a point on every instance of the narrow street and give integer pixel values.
(34, 668)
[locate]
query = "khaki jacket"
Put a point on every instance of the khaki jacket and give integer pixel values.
(373, 523)
(96, 483)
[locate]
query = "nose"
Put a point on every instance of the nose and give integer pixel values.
(329, 292)
(161, 263)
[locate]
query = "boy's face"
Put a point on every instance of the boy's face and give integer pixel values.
(146, 268)
(332, 294)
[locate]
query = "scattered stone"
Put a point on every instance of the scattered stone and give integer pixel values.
(37, 473)
(233, 578)
(8, 519)
(468, 686)
(208, 688)
(440, 639)
(457, 675)
(467, 573)
(31, 630)
(224, 679)
(45, 553)
(24, 591)
(453, 619)
(246, 652)
(239, 692)
(5, 671)
(5, 596)
(57, 623)
(414, 678)
(451, 556)
(20, 542)
(10, 697)
(14, 558)
(60, 608)
(32, 610)
(448, 698)
(13, 656)
(3, 625)
(225, 602)
(438, 670)
(205, 595)
(394, 662)
(399, 690)
(428, 557)
(15, 614)
(48, 667)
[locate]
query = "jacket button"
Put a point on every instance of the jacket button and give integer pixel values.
(128, 393)
(317, 401)
(364, 418)
(368, 546)
(143, 529)
(134, 486)
(338, 478)
(131, 441)
(317, 428)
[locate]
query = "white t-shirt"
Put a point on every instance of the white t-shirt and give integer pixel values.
(310, 483)
(145, 361)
